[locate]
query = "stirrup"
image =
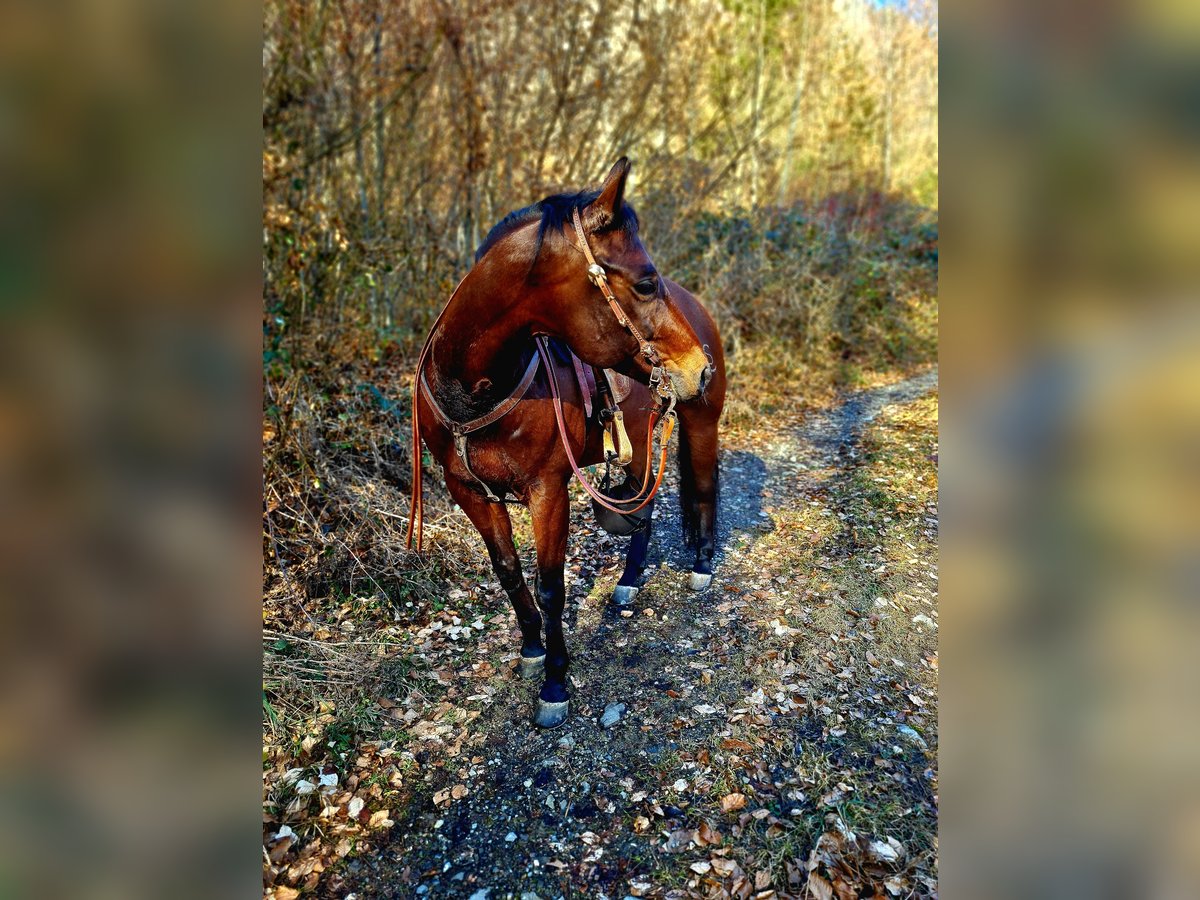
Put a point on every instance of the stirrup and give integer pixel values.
(624, 447)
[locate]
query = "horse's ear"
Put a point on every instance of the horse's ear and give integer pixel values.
(602, 211)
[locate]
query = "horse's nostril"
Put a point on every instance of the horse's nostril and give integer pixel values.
(705, 377)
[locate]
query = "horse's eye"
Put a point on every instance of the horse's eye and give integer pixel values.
(647, 287)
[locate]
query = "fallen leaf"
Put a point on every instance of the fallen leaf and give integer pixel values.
(819, 888)
(731, 802)
(701, 867)
(380, 819)
(678, 840)
(724, 866)
(279, 849)
(459, 791)
(706, 834)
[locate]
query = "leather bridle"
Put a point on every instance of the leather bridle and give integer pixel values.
(660, 384)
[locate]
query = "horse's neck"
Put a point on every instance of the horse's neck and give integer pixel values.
(482, 337)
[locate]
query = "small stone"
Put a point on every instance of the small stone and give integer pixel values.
(566, 741)
(481, 894)
(912, 735)
(612, 714)
(510, 837)
(626, 613)
(648, 612)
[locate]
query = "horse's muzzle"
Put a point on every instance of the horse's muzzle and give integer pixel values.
(689, 375)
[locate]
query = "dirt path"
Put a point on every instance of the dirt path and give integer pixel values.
(786, 702)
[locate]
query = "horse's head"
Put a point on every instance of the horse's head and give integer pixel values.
(638, 324)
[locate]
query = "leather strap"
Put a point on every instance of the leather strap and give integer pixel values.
(599, 277)
(416, 513)
(605, 501)
(587, 384)
(502, 409)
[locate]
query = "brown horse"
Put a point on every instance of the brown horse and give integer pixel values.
(481, 365)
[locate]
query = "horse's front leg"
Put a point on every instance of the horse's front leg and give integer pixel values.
(698, 486)
(549, 510)
(635, 562)
(495, 526)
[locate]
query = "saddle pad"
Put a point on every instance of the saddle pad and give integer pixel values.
(621, 385)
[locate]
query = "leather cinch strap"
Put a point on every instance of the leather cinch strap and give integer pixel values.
(507, 405)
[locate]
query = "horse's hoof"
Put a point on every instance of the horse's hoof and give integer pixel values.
(531, 666)
(623, 594)
(551, 715)
(699, 581)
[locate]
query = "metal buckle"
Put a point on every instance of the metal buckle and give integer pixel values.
(596, 274)
(660, 382)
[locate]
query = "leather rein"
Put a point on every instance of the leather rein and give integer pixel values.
(660, 384)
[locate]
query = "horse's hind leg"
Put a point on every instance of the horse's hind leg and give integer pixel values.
(698, 484)
(635, 563)
(493, 523)
(549, 510)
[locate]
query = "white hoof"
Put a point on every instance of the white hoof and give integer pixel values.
(531, 666)
(699, 581)
(551, 715)
(623, 594)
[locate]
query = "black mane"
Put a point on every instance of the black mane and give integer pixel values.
(554, 212)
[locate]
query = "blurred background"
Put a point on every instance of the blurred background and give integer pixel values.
(1070, 443)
